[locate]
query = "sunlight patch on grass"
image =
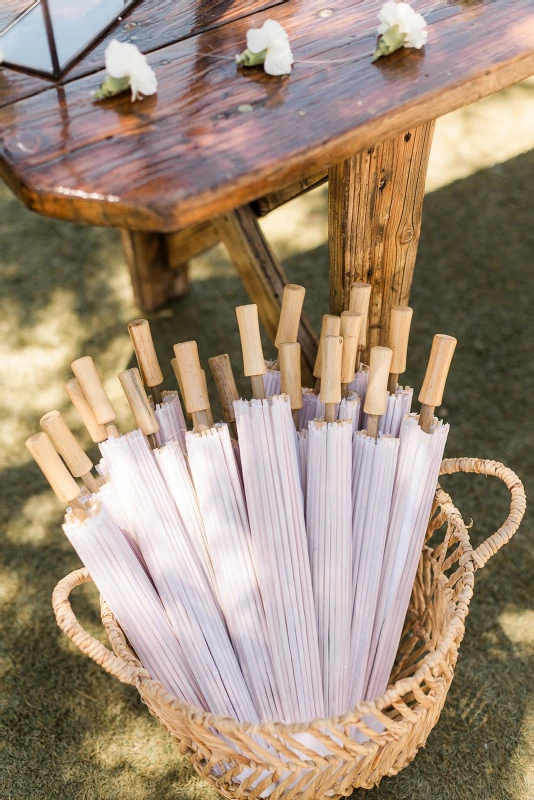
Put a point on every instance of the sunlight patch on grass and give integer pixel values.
(32, 524)
(518, 626)
(481, 135)
(522, 762)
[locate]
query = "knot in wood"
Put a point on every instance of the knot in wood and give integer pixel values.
(407, 236)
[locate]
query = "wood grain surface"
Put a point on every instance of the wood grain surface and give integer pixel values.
(150, 25)
(375, 202)
(215, 138)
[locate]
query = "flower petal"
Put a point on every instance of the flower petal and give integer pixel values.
(256, 40)
(278, 60)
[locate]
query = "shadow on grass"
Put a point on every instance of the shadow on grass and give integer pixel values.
(70, 731)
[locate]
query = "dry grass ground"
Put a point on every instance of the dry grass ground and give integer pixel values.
(72, 732)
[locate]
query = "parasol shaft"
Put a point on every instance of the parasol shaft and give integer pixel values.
(431, 394)
(372, 425)
(221, 369)
(201, 421)
(426, 418)
(393, 382)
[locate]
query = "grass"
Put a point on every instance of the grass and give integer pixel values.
(72, 732)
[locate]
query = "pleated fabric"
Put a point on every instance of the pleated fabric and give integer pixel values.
(373, 474)
(121, 579)
(175, 470)
(222, 501)
(269, 457)
(178, 575)
(398, 407)
(418, 466)
(329, 530)
(171, 419)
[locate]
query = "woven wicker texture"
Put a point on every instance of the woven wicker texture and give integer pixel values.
(247, 760)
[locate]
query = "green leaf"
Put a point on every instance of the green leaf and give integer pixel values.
(390, 41)
(249, 59)
(111, 86)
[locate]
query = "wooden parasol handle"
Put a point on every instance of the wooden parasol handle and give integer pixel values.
(493, 543)
(89, 646)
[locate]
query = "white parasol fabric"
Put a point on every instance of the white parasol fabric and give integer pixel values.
(222, 501)
(171, 420)
(271, 379)
(111, 502)
(329, 529)
(173, 465)
(399, 405)
(359, 387)
(121, 579)
(348, 409)
(269, 456)
(373, 474)
(178, 576)
(419, 460)
(309, 408)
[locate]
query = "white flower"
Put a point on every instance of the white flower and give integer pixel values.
(124, 60)
(408, 21)
(273, 38)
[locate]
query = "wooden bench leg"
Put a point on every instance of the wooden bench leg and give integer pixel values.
(375, 202)
(158, 262)
(262, 276)
(154, 282)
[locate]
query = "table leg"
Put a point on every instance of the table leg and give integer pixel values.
(375, 202)
(158, 262)
(262, 276)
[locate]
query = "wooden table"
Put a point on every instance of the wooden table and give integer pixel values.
(217, 147)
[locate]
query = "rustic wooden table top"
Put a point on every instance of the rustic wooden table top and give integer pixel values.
(215, 137)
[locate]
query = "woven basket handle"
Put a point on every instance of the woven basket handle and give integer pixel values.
(487, 549)
(66, 619)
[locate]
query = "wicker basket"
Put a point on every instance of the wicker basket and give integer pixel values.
(251, 760)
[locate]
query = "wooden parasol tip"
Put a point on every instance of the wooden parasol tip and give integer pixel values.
(65, 443)
(75, 393)
(399, 333)
(253, 360)
(437, 371)
(193, 382)
(288, 325)
(147, 359)
(56, 473)
(95, 394)
(143, 414)
(331, 375)
(377, 391)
